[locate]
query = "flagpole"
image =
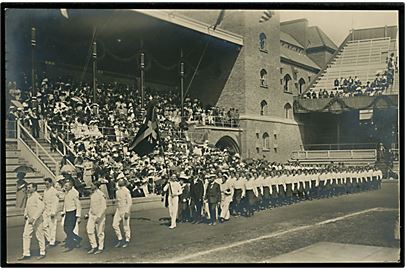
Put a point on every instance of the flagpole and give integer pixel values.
(182, 84)
(94, 71)
(142, 80)
(33, 45)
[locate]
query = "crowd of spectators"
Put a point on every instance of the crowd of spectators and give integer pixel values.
(95, 135)
(353, 86)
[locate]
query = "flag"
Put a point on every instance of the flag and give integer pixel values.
(219, 19)
(64, 13)
(267, 14)
(148, 135)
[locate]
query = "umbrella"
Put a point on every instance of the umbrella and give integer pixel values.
(67, 168)
(59, 177)
(24, 169)
(77, 99)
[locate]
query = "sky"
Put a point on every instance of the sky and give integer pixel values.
(337, 24)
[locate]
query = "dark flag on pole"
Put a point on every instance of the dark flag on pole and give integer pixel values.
(148, 135)
(219, 19)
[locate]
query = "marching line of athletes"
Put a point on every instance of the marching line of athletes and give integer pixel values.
(41, 217)
(215, 197)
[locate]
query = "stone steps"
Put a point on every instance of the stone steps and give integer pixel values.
(13, 160)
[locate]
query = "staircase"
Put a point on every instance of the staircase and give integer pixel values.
(46, 158)
(13, 160)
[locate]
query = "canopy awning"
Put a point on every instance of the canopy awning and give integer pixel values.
(193, 25)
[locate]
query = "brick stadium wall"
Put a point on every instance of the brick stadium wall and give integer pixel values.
(242, 88)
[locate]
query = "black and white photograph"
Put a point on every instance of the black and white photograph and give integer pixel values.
(168, 134)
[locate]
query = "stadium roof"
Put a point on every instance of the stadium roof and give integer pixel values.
(289, 39)
(298, 58)
(317, 38)
(193, 25)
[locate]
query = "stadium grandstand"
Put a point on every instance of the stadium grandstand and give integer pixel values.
(78, 86)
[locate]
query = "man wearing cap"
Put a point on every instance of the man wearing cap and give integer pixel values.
(96, 222)
(174, 190)
(122, 213)
(34, 222)
(51, 201)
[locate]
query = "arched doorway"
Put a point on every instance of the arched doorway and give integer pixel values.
(228, 143)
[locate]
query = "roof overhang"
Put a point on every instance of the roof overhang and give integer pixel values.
(193, 25)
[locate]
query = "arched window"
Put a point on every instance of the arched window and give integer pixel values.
(263, 107)
(262, 42)
(301, 84)
(287, 82)
(287, 109)
(263, 78)
(266, 141)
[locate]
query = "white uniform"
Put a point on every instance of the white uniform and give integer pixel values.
(124, 202)
(51, 201)
(96, 223)
(33, 211)
(226, 198)
(174, 189)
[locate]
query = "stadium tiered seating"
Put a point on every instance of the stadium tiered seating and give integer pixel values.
(361, 58)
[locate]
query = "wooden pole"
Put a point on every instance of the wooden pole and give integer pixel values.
(142, 80)
(94, 71)
(33, 45)
(182, 84)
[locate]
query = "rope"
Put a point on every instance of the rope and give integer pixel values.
(89, 53)
(198, 65)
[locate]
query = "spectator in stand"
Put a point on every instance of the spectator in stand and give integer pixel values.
(336, 83)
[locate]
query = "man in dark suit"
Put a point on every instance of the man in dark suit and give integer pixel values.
(213, 196)
(197, 196)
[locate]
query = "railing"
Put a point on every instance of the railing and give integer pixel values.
(66, 149)
(340, 146)
(340, 155)
(24, 136)
(11, 129)
(217, 121)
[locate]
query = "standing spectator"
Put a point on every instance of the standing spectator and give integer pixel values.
(213, 196)
(21, 195)
(197, 196)
(35, 123)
